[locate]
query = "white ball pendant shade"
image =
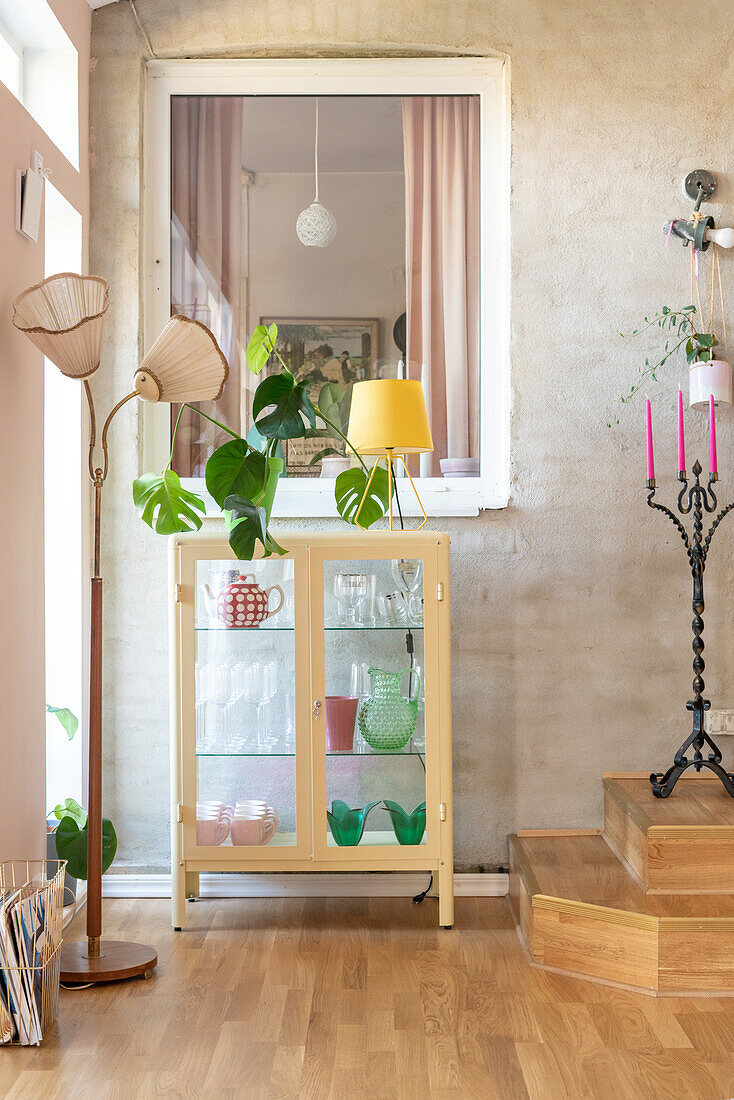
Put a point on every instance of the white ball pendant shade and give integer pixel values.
(184, 364)
(64, 316)
(316, 226)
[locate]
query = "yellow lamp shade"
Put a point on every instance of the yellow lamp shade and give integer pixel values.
(389, 414)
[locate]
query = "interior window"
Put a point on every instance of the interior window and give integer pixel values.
(352, 222)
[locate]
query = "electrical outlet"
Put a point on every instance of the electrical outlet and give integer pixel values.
(718, 722)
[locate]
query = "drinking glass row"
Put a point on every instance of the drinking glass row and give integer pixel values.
(241, 707)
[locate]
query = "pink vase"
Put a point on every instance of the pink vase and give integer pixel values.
(341, 714)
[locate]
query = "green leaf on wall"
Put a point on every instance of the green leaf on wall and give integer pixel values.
(163, 503)
(68, 720)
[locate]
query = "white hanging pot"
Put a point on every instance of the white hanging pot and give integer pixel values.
(705, 379)
(333, 465)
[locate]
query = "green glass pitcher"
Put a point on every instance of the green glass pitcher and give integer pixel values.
(387, 719)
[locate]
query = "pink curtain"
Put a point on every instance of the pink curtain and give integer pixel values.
(441, 148)
(206, 252)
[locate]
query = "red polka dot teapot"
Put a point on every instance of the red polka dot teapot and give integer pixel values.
(243, 604)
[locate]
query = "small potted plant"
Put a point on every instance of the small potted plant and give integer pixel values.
(707, 375)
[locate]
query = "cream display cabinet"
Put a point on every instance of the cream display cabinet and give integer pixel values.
(295, 692)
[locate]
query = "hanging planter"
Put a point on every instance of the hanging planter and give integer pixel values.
(709, 378)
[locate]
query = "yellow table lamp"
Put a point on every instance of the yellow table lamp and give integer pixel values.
(388, 416)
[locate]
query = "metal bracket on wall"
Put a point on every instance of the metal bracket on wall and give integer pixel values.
(699, 230)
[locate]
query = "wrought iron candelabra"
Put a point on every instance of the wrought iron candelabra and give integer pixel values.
(696, 499)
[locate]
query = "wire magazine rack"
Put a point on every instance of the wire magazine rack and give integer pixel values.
(31, 920)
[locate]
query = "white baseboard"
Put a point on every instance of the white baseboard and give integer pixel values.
(395, 884)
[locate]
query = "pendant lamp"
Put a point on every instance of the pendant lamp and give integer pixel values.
(316, 225)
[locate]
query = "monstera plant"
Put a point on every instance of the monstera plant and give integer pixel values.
(242, 477)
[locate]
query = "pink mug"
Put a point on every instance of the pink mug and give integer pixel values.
(211, 831)
(254, 828)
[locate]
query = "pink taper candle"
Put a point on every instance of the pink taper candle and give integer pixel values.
(648, 427)
(713, 467)
(681, 438)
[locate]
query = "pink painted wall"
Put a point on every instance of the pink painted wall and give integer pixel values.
(22, 694)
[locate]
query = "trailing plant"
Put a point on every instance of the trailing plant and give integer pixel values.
(68, 720)
(681, 334)
(242, 477)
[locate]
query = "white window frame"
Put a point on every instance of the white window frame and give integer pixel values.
(486, 77)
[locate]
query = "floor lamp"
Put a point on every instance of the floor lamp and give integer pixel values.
(64, 317)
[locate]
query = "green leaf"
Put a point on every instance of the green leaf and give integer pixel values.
(291, 404)
(349, 490)
(261, 347)
(235, 468)
(71, 845)
(248, 525)
(705, 339)
(165, 505)
(325, 453)
(69, 721)
(71, 808)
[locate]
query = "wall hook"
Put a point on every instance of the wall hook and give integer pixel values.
(699, 230)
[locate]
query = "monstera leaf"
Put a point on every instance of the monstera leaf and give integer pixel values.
(71, 808)
(165, 505)
(236, 469)
(291, 404)
(261, 346)
(349, 490)
(71, 845)
(247, 523)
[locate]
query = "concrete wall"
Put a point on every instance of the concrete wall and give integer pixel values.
(571, 608)
(22, 718)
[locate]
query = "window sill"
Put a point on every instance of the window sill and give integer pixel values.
(314, 497)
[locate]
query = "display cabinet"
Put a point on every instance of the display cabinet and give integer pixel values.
(311, 708)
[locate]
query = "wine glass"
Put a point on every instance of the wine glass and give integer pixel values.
(350, 590)
(407, 574)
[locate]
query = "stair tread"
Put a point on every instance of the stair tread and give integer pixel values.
(694, 802)
(583, 868)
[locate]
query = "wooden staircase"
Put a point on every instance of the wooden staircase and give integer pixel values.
(647, 902)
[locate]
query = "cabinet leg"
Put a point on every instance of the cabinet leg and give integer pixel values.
(446, 894)
(192, 884)
(178, 897)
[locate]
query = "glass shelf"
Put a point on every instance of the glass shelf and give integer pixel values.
(346, 755)
(403, 627)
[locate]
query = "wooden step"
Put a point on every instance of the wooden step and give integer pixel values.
(581, 912)
(681, 844)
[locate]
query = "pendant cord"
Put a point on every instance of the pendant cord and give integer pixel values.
(316, 152)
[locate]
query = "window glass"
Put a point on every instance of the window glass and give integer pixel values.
(370, 270)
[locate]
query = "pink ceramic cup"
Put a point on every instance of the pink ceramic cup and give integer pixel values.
(341, 714)
(212, 831)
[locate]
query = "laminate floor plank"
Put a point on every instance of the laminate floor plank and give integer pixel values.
(363, 999)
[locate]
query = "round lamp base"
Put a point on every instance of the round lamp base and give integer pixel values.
(117, 960)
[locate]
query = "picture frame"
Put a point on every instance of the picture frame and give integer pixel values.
(342, 350)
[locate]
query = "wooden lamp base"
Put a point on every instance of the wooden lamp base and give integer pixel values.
(116, 960)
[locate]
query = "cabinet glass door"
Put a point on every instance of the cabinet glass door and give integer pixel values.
(372, 727)
(245, 703)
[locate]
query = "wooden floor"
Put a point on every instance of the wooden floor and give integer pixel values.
(350, 999)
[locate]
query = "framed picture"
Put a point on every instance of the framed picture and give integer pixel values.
(337, 350)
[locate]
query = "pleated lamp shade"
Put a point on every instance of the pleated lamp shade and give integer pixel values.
(64, 316)
(184, 364)
(389, 414)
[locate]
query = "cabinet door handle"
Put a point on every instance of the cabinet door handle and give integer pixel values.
(316, 707)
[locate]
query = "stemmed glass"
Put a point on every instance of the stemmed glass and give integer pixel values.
(260, 685)
(350, 590)
(407, 574)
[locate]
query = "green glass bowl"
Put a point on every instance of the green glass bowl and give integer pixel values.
(409, 828)
(347, 825)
